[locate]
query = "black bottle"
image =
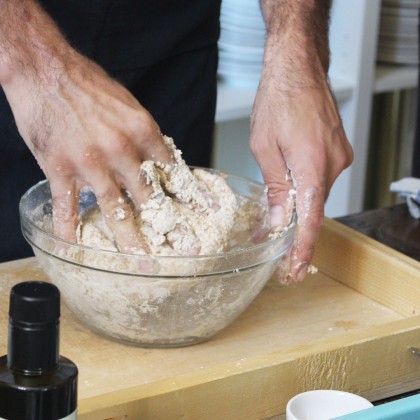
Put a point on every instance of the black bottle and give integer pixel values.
(36, 383)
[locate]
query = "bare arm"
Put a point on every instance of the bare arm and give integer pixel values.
(84, 128)
(297, 135)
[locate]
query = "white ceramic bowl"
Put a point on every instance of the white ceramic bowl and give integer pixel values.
(324, 404)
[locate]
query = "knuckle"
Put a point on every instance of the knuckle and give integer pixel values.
(58, 167)
(256, 146)
(119, 144)
(275, 188)
(143, 124)
(344, 156)
(92, 157)
(348, 155)
(138, 121)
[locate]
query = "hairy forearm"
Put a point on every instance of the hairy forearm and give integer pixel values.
(31, 46)
(297, 39)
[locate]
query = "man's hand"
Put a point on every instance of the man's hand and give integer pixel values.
(297, 136)
(84, 128)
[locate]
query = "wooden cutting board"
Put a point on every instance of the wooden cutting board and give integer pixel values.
(351, 327)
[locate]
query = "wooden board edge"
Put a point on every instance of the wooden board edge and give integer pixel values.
(334, 227)
(376, 358)
(369, 267)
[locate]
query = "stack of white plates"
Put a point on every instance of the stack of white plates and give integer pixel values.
(241, 44)
(398, 32)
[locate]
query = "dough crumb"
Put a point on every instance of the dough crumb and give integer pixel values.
(312, 269)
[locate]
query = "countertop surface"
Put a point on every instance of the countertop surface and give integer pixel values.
(392, 226)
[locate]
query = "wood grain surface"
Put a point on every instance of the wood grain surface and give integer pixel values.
(349, 327)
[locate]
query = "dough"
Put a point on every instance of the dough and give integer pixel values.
(188, 213)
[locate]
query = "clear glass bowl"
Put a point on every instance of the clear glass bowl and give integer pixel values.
(152, 301)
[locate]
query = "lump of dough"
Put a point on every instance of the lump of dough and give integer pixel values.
(188, 213)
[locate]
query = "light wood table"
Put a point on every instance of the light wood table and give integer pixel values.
(350, 327)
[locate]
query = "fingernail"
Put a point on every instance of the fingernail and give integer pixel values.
(277, 215)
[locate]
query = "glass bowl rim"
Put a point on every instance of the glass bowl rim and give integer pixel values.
(288, 230)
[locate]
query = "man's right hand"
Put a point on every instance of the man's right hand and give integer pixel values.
(85, 129)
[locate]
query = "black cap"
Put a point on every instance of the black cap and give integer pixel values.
(34, 315)
(34, 302)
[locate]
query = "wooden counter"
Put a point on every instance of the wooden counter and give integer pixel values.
(352, 326)
(391, 225)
